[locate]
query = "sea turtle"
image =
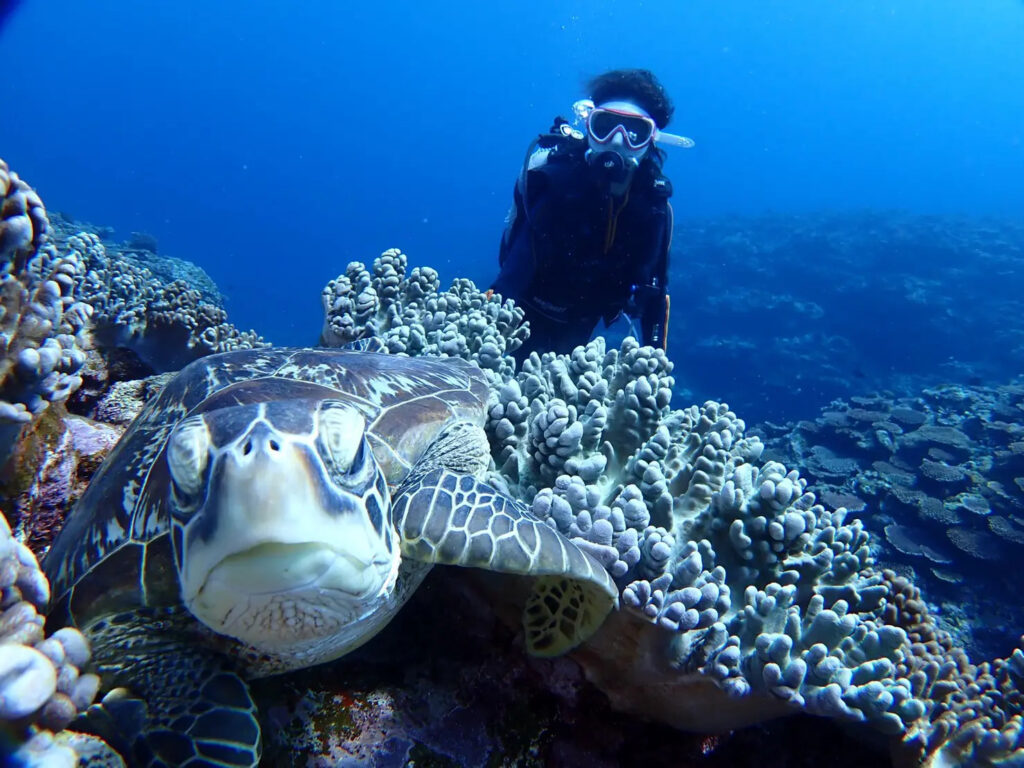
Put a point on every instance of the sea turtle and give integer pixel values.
(273, 509)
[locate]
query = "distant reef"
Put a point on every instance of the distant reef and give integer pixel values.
(780, 314)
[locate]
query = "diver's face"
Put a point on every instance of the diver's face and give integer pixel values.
(619, 146)
(619, 119)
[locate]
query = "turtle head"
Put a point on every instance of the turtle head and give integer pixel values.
(281, 526)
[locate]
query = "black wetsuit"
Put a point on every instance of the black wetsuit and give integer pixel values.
(572, 254)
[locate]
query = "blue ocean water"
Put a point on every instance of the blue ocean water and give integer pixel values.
(851, 219)
(272, 143)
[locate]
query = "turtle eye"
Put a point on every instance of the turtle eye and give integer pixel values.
(188, 454)
(341, 430)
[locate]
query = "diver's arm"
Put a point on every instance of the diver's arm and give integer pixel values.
(652, 298)
(516, 254)
(654, 316)
(513, 224)
(516, 269)
(517, 260)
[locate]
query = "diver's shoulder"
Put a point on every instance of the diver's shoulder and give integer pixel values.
(661, 186)
(557, 151)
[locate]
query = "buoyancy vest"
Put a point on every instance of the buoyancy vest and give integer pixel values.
(589, 249)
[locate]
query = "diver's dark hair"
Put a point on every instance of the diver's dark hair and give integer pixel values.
(637, 85)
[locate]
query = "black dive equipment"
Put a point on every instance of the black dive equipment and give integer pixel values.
(609, 167)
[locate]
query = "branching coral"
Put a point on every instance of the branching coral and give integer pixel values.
(167, 324)
(412, 317)
(765, 590)
(41, 688)
(974, 713)
(40, 314)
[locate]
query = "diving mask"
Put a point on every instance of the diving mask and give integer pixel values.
(636, 128)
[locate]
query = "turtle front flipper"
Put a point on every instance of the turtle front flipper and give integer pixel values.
(183, 706)
(454, 519)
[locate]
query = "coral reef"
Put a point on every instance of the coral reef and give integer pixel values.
(41, 687)
(140, 250)
(167, 325)
(744, 596)
(974, 713)
(62, 294)
(764, 590)
(41, 316)
(942, 473)
(412, 317)
(471, 698)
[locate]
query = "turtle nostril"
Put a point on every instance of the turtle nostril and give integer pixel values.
(247, 448)
(275, 446)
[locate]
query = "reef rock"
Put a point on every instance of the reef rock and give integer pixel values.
(49, 470)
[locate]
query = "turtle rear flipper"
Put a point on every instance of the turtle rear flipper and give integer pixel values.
(185, 708)
(454, 519)
(561, 613)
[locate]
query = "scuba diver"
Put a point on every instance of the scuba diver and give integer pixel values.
(588, 235)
